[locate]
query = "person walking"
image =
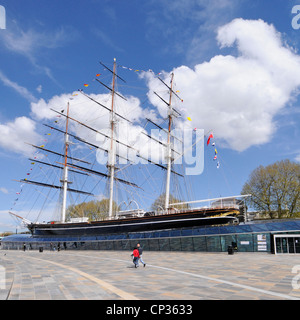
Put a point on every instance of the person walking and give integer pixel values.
(140, 249)
(136, 257)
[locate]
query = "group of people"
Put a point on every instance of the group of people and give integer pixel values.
(53, 247)
(137, 256)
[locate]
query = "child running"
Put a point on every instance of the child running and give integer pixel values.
(136, 257)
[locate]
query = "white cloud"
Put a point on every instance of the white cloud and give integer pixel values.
(39, 89)
(105, 39)
(188, 27)
(13, 135)
(97, 117)
(79, 104)
(15, 86)
(238, 97)
(4, 190)
(261, 43)
(235, 96)
(29, 43)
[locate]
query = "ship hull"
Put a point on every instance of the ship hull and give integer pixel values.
(143, 224)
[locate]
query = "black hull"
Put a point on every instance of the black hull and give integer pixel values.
(143, 224)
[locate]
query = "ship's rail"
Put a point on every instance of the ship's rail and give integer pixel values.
(233, 202)
(206, 208)
(130, 213)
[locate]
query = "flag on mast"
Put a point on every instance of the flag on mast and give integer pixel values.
(210, 137)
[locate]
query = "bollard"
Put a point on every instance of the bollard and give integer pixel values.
(230, 250)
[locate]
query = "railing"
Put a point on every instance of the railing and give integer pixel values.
(131, 213)
(215, 203)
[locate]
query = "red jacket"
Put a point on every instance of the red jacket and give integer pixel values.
(136, 253)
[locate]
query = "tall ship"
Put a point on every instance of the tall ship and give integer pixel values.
(115, 156)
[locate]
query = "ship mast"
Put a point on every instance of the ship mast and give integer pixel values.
(112, 154)
(65, 172)
(171, 112)
(112, 157)
(111, 150)
(169, 148)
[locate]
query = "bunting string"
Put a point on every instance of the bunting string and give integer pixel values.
(213, 144)
(126, 68)
(140, 70)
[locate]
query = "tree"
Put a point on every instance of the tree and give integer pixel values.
(275, 189)
(159, 203)
(94, 210)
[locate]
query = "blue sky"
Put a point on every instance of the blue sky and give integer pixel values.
(236, 65)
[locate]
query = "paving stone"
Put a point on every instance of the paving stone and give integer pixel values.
(110, 275)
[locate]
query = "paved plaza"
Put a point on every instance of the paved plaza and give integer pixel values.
(110, 275)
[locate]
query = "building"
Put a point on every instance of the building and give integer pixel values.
(268, 236)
